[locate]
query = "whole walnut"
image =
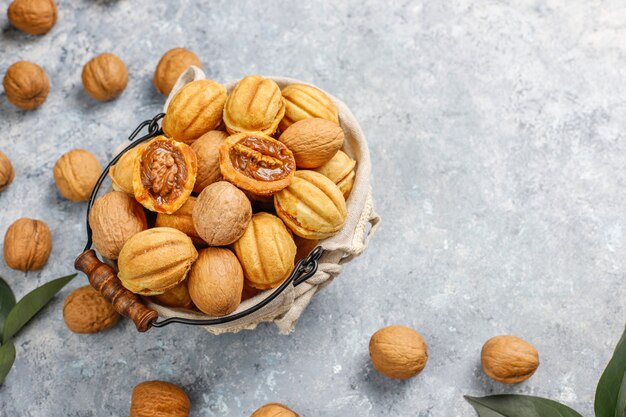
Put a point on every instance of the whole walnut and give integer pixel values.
(303, 101)
(312, 206)
(509, 359)
(159, 399)
(182, 220)
(155, 260)
(114, 218)
(26, 85)
(76, 173)
(105, 77)
(7, 174)
(173, 63)
(177, 297)
(86, 311)
(215, 282)
(194, 110)
(254, 105)
(27, 244)
(207, 149)
(221, 214)
(340, 170)
(35, 17)
(313, 141)
(266, 251)
(274, 410)
(398, 352)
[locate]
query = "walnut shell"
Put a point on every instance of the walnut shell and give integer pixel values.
(194, 110)
(274, 410)
(216, 282)
(221, 214)
(35, 17)
(173, 63)
(257, 163)
(27, 244)
(105, 77)
(340, 170)
(313, 207)
(303, 101)
(114, 218)
(164, 174)
(266, 251)
(86, 311)
(182, 220)
(398, 352)
(26, 85)
(177, 297)
(254, 105)
(159, 399)
(509, 359)
(155, 260)
(313, 141)
(7, 174)
(122, 172)
(76, 173)
(207, 149)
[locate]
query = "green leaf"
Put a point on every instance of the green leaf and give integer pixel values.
(7, 300)
(511, 405)
(30, 305)
(611, 390)
(7, 357)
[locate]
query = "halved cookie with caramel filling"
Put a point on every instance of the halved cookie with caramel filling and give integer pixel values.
(164, 174)
(257, 163)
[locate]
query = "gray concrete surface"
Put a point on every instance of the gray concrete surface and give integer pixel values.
(497, 136)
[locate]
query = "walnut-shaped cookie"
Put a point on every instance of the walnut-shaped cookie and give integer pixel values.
(257, 163)
(181, 219)
(194, 110)
(340, 170)
(254, 105)
(177, 297)
(122, 172)
(304, 102)
(313, 207)
(266, 251)
(155, 260)
(164, 175)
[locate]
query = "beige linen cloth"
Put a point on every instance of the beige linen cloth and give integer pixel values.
(350, 242)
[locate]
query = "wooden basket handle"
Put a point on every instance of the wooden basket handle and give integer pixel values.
(103, 278)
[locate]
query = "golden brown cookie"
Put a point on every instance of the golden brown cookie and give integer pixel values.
(254, 105)
(257, 163)
(304, 102)
(312, 206)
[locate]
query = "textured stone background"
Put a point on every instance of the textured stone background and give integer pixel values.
(497, 136)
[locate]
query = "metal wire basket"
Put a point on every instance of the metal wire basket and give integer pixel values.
(104, 278)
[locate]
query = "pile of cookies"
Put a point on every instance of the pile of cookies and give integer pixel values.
(222, 205)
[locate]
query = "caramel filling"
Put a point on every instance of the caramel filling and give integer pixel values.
(261, 159)
(163, 172)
